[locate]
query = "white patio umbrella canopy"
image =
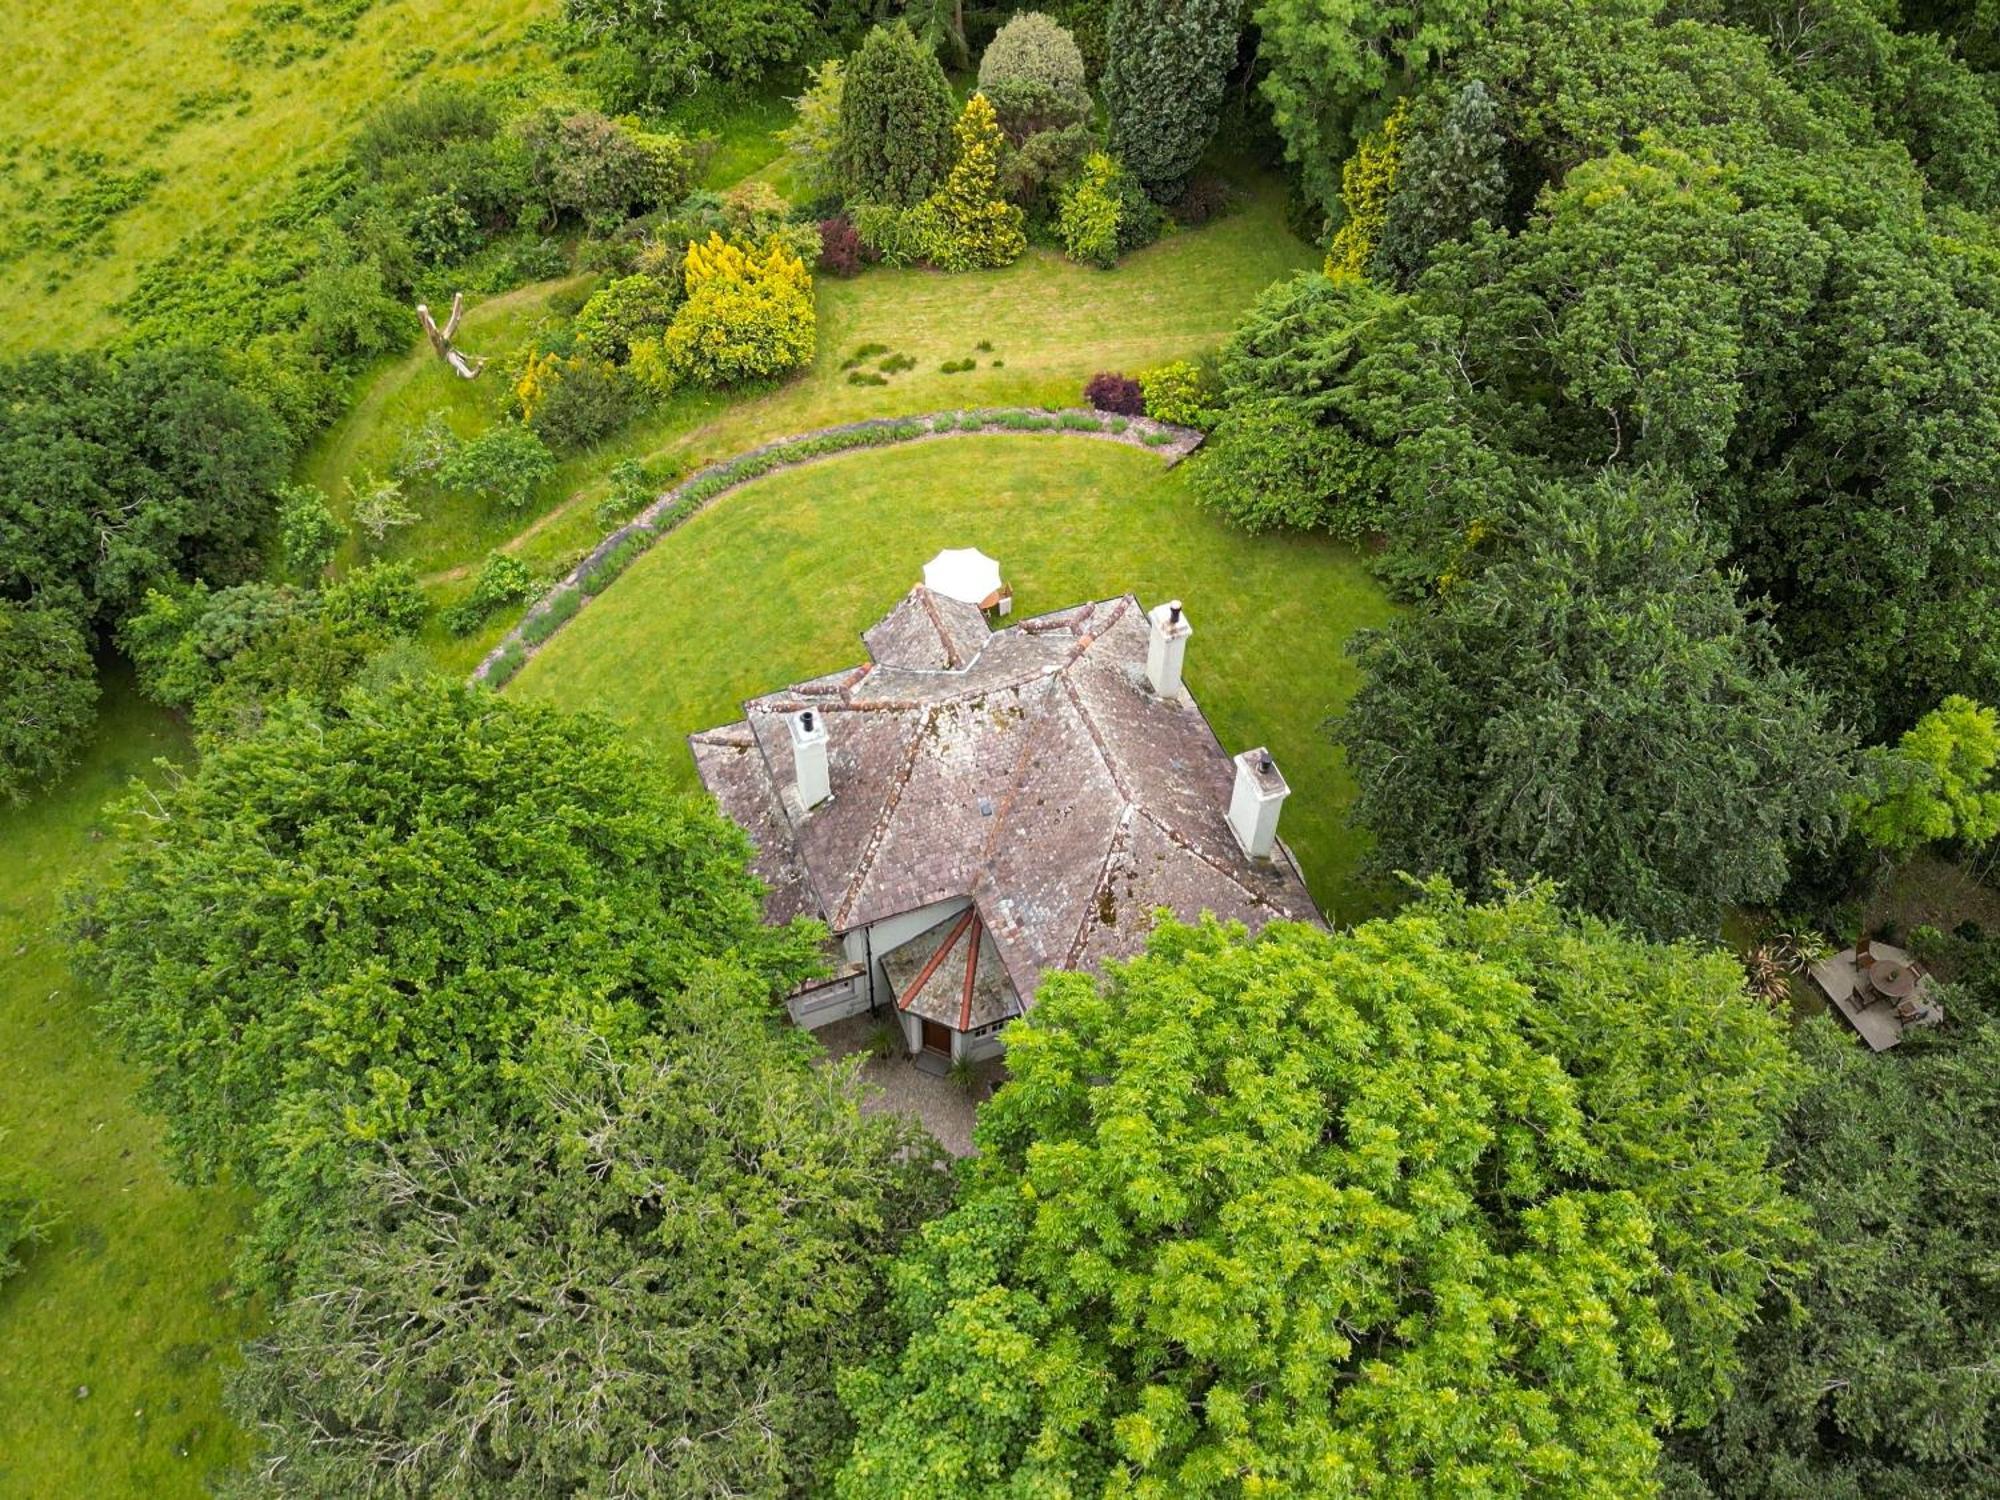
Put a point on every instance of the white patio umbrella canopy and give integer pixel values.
(963, 573)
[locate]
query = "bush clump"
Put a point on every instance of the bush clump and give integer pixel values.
(1110, 391)
(502, 580)
(1181, 393)
(839, 246)
(503, 464)
(1104, 213)
(748, 314)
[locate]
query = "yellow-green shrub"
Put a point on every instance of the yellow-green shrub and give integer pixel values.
(981, 228)
(1180, 393)
(1366, 181)
(748, 314)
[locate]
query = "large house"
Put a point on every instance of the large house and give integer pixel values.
(971, 807)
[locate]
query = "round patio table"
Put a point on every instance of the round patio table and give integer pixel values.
(1897, 981)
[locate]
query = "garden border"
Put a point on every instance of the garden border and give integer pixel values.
(618, 551)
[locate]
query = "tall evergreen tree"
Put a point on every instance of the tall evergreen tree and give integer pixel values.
(982, 228)
(1163, 82)
(896, 116)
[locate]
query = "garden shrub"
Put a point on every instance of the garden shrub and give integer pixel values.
(896, 114)
(748, 314)
(24, 1219)
(1206, 197)
(1269, 464)
(503, 579)
(378, 506)
(308, 532)
(1034, 74)
(1104, 213)
(1109, 391)
(839, 246)
(813, 138)
(570, 401)
(180, 638)
(383, 598)
(1181, 392)
(1367, 183)
(503, 464)
(620, 314)
(48, 693)
(980, 227)
(902, 236)
(895, 364)
(423, 448)
(600, 171)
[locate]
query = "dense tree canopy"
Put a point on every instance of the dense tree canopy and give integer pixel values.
(1883, 1382)
(643, 1286)
(896, 117)
(1469, 1201)
(1163, 82)
(340, 926)
(1595, 704)
(48, 694)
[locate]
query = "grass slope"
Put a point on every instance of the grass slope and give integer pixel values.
(775, 583)
(123, 139)
(128, 1297)
(1051, 324)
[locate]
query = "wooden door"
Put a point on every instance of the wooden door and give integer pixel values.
(937, 1038)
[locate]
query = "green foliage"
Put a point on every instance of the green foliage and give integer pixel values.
(1104, 213)
(48, 695)
(572, 401)
(382, 598)
(1941, 781)
(1426, 1198)
(1368, 179)
(1595, 700)
(694, 44)
(1268, 463)
(601, 171)
(622, 313)
(1328, 61)
(812, 140)
(980, 228)
(341, 928)
(180, 640)
(24, 1219)
(748, 314)
(712, 1184)
(1163, 81)
(1180, 392)
(503, 579)
(1449, 176)
(116, 476)
(1876, 1378)
(308, 532)
(503, 464)
(1034, 76)
(896, 115)
(377, 506)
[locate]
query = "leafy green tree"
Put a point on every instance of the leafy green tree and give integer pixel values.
(981, 228)
(180, 640)
(378, 506)
(643, 1285)
(48, 694)
(340, 927)
(812, 140)
(1474, 1200)
(1034, 76)
(1874, 1377)
(686, 44)
(896, 114)
(1941, 781)
(1595, 703)
(1168, 63)
(1328, 61)
(506, 462)
(308, 532)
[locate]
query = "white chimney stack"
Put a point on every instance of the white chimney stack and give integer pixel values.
(809, 757)
(1253, 806)
(1166, 648)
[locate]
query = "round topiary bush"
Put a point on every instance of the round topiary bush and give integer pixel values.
(1031, 48)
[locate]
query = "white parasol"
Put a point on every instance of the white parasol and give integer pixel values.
(964, 573)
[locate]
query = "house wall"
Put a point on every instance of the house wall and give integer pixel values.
(824, 1004)
(892, 932)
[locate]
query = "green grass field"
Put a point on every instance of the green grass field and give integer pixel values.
(1051, 324)
(130, 1297)
(776, 582)
(123, 139)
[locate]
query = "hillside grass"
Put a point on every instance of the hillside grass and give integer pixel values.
(225, 100)
(130, 1299)
(775, 583)
(1051, 324)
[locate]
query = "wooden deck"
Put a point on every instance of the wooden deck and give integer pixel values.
(1871, 1014)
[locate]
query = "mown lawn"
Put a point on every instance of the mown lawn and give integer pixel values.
(130, 1298)
(775, 583)
(1051, 325)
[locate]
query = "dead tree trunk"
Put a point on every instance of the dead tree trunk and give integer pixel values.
(441, 337)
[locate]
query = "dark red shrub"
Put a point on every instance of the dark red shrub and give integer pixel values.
(839, 246)
(1108, 391)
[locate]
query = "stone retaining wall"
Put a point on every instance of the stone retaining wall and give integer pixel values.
(610, 557)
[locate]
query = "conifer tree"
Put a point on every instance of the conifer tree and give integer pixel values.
(1163, 85)
(982, 228)
(895, 120)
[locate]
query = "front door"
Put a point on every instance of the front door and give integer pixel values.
(937, 1038)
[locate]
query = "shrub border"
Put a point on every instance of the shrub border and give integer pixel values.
(618, 551)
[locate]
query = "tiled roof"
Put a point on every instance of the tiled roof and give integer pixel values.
(1031, 769)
